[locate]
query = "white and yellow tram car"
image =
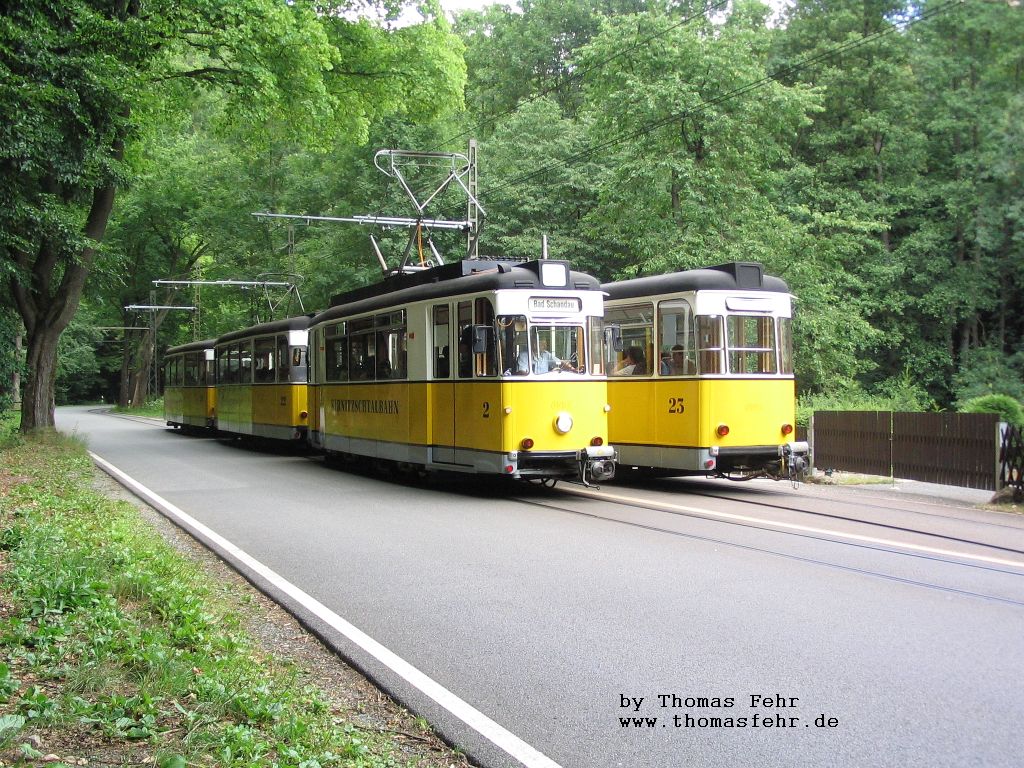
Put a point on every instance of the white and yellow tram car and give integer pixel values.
(262, 380)
(190, 395)
(477, 366)
(701, 373)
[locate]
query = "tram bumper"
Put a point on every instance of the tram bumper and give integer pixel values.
(590, 464)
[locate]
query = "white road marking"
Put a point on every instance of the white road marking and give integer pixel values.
(479, 722)
(795, 527)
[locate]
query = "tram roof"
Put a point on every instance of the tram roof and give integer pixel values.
(734, 276)
(192, 346)
(455, 279)
(299, 323)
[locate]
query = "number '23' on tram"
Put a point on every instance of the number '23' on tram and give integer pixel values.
(476, 366)
(701, 373)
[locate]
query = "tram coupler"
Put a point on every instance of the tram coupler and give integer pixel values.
(795, 462)
(596, 463)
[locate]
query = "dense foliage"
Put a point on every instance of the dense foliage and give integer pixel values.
(870, 152)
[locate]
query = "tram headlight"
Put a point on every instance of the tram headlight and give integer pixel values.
(563, 423)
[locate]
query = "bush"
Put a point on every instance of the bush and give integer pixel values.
(1008, 408)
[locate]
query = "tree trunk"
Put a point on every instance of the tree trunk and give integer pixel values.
(142, 371)
(47, 310)
(124, 391)
(37, 403)
(16, 376)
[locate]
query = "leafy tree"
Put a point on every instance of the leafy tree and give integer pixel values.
(78, 81)
(986, 371)
(968, 247)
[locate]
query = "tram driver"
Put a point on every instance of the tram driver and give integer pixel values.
(544, 361)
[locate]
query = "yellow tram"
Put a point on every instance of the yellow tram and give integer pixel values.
(190, 395)
(477, 366)
(701, 373)
(262, 380)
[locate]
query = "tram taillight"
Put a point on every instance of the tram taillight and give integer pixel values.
(723, 430)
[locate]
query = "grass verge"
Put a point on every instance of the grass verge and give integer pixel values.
(152, 408)
(117, 648)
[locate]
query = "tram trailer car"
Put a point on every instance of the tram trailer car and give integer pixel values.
(262, 381)
(190, 394)
(714, 393)
(477, 366)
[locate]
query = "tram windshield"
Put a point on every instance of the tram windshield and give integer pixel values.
(539, 349)
(751, 341)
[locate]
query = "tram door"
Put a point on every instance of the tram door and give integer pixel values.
(442, 389)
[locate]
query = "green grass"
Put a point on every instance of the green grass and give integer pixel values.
(154, 408)
(110, 637)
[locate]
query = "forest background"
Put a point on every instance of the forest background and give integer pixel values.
(869, 152)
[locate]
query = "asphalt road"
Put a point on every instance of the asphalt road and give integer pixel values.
(556, 615)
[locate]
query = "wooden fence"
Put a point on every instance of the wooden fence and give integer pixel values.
(960, 449)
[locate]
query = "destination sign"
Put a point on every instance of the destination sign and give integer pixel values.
(554, 304)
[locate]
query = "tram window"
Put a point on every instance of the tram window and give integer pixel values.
(513, 344)
(465, 321)
(336, 363)
(263, 357)
(280, 358)
(297, 370)
(390, 356)
(360, 349)
(485, 363)
(677, 338)
(220, 359)
(555, 348)
(751, 342)
(231, 371)
(786, 345)
(245, 369)
(442, 342)
(390, 346)
(596, 341)
(208, 369)
(636, 328)
(709, 343)
(191, 369)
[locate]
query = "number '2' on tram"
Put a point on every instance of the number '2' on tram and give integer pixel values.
(476, 366)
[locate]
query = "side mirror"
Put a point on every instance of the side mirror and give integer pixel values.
(613, 338)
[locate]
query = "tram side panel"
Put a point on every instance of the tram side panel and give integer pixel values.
(380, 420)
(234, 408)
(280, 411)
(754, 410)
